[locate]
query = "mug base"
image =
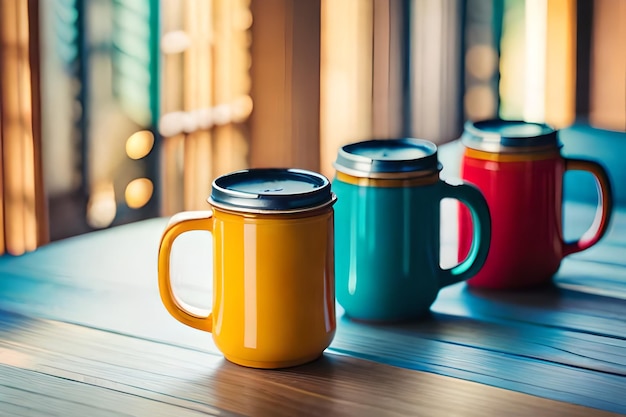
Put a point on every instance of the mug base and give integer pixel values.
(272, 364)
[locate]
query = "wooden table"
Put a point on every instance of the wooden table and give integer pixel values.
(83, 333)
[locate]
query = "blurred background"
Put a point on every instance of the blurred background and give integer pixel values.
(113, 111)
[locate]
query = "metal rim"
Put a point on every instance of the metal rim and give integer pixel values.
(352, 163)
(490, 136)
(225, 195)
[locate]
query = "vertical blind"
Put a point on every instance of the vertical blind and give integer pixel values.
(23, 218)
(607, 99)
(327, 72)
(284, 83)
(205, 99)
(285, 76)
(390, 68)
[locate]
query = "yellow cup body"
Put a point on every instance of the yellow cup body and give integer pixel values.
(273, 285)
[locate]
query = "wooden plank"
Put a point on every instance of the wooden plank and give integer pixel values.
(549, 307)
(28, 393)
(600, 278)
(532, 343)
(437, 347)
(473, 339)
(79, 368)
(130, 261)
(556, 343)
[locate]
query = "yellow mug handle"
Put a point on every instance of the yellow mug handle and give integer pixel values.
(179, 224)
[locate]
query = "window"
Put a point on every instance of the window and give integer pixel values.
(143, 103)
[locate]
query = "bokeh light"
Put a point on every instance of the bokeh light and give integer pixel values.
(138, 192)
(139, 144)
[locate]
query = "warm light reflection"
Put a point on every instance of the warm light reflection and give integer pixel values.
(535, 90)
(481, 62)
(175, 42)
(241, 108)
(21, 197)
(139, 144)
(138, 192)
(101, 208)
(13, 357)
(242, 19)
(177, 122)
(345, 76)
(205, 95)
(480, 102)
(561, 63)
(538, 62)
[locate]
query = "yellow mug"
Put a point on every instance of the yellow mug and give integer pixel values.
(273, 266)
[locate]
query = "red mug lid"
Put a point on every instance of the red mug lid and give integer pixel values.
(499, 135)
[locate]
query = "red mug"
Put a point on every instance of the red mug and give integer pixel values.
(519, 169)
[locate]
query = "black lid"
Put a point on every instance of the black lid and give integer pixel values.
(372, 158)
(270, 190)
(498, 135)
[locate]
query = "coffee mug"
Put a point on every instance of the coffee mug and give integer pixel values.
(519, 168)
(273, 278)
(387, 229)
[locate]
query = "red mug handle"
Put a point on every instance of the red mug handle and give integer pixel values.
(605, 207)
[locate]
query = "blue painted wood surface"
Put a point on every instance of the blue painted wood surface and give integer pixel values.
(566, 342)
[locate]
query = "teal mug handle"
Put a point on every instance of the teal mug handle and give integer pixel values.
(471, 197)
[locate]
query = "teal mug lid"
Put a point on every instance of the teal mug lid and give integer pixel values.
(387, 156)
(272, 190)
(499, 135)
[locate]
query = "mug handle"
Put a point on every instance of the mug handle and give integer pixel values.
(605, 207)
(179, 224)
(471, 197)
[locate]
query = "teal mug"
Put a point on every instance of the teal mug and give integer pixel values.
(387, 229)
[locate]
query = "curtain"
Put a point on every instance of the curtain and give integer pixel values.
(23, 216)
